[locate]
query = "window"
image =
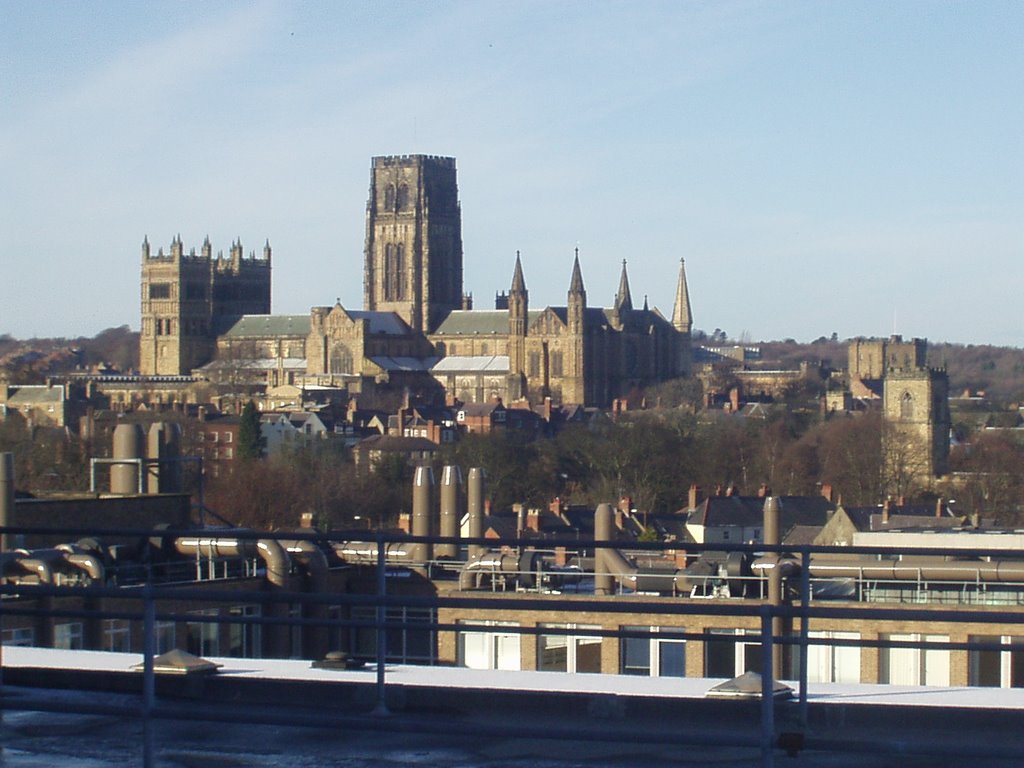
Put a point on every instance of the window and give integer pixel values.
(490, 650)
(402, 199)
(243, 639)
(569, 653)
(228, 437)
(730, 658)
(23, 636)
(914, 666)
(831, 663)
(653, 656)
(203, 636)
(229, 453)
(996, 668)
(394, 272)
(117, 635)
(166, 636)
(68, 635)
(159, 291)
(534, 369)
(907, 406)
(556, 364)
(406, 643)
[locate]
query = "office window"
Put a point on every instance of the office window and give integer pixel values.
(490, 650)
(203, 636)
(244, 639)
(68, 635)
(653, 656)
(914, 666)
(23, 636)
(831, 663)
(569, 653)
(730, 658)
(996, 668)
(117, 635)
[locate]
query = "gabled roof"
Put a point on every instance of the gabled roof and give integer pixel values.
(748, 511)
(258, 326)
(387, 323)
(30, 394)
(460, 363)
(469, 322)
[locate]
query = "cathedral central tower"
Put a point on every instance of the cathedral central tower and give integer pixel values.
(413, 253)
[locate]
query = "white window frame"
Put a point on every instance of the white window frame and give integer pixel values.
(69, 635)
(914, 666)
(572, 644)
(655, 646)
(490, 650)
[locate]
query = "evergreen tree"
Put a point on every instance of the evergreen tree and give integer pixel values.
(250, 438)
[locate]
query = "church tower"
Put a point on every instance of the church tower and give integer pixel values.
(574, 371)
(413, 252)
(682, 321)
(518, 322)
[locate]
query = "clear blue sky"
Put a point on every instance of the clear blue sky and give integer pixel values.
(854, 167)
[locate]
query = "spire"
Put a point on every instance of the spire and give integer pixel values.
(623, 300)
(576, 283)
(682, 318)
(518, 282)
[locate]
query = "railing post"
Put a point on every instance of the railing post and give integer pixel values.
(805, 615)
(382, 706)
(767, 689)
(148, 675)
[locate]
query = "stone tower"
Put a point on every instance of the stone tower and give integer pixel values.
(682, 321)
(185, 295)
(915, 441)
(575, 386)
(413, 253)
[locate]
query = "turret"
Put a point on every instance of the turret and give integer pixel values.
(623, 299)
(145, 247)
(577, 297)
(518, 301)
(682, 319)
(266, 251)
(176, 247)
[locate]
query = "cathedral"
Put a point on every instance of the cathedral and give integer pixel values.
(209, 317)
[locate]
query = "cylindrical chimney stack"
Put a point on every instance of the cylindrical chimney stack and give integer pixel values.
(6, 495)
(451, 484)
(422, 503)
(604, 518)
(773, 537)
(475, 508)
(124, 478)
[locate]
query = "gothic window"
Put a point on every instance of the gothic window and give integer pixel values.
(341, 359)
(907, 406)
(556, 364)
(159, 290)
(439, 349)
(389, 198)
(534, 369)
(394, 272)
(403, 197)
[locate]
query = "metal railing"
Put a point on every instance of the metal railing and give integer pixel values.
(151, 595)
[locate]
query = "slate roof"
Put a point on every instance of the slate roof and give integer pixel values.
(465, 363)
(32, 394)
(257, 326)
(469, 322)
(387, 323)
(748, 511)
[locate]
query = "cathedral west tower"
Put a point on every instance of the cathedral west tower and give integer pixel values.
(413, 253)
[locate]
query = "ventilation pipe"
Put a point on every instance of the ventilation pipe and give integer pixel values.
(163, 449)
(773, 538)
(451, 481)
(278, 565)
(313, 561)
(6, 495)
(124, 478)
(422, 503)
(603, 523)
(475, 509)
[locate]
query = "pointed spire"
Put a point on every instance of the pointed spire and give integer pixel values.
(646, 308)
(518, 282)
(576, 282)
(682, 318)
(623, 299)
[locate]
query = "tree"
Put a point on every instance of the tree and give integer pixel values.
(250, 437)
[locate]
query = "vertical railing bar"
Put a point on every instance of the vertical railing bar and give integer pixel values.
(767, 689)
(148, 674)
(382, 706)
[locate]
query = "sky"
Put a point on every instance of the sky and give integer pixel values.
(822, 167)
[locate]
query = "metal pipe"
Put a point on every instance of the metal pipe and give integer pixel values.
(475, 509)
(604, 583)
(6, 495)
(422, 503)
(773, 538)
(313, 561)
(451, 482)
(124, 478)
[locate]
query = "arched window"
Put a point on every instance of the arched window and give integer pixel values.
(389, 197)
(394, 272)
(907, 406)
(403, 197)
(341, 359)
